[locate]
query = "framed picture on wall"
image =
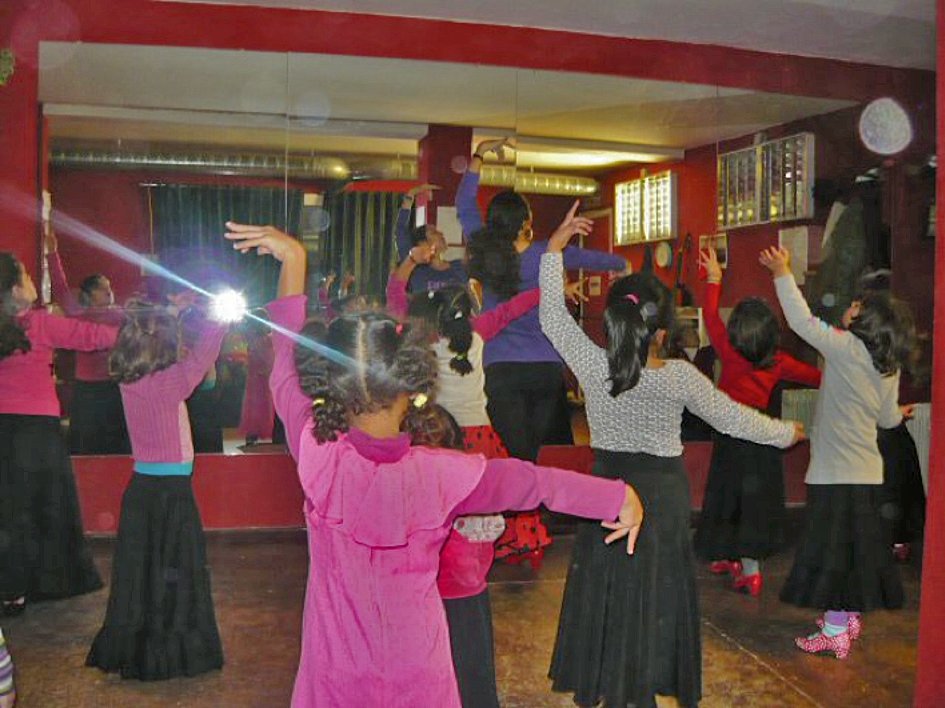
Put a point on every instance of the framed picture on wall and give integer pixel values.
(719, 242)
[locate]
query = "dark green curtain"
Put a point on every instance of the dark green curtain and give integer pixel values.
(189, 222)
(360, 238)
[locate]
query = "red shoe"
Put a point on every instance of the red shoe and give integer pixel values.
(854, 626)
(733, 568)
(820, 642)
(748, 583)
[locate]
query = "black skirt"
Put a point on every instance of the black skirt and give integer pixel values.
(160, 621)
(902, 498)
(844, 560)
(629, 626)
(743, 508)
(43, 554)
(473, 648)
(97, 420)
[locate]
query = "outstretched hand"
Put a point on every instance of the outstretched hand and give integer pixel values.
(267, 240)
(709, 260)
(571, 226)
(628, 521)
(777, 259)
(575, 291)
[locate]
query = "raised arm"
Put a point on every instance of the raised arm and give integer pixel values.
(729, 417)
(288, 315)
(397, 282)
(59, 284)
(574, 346)
(828, 340)
(718, 335)
(402, 227)
(488, 324)
(467, 208)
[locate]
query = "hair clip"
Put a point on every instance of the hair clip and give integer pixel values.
(632, 297)
(399, 328)
(420, 400)
(318, 402)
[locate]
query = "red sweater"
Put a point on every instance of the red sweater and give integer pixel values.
(740, 379)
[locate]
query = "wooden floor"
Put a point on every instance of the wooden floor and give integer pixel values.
(749, 656)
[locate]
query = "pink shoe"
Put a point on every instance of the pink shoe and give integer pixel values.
(854, 626)
(820, 642)
(722, 567)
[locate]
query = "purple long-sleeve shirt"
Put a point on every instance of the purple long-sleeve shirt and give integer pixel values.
(523, 341)
(425, 277)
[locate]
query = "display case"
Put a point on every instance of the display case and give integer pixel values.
(646, 209)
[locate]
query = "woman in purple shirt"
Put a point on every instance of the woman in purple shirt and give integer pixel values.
(527, 400)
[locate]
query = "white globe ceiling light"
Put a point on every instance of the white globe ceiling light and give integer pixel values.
(885, 127)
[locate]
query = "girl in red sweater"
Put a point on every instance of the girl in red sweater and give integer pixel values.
(743, 509)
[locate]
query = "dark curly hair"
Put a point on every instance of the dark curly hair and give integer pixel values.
(447, 312)
(886, 326)
(754, 332)
(149, 340)
(375, 360)
(86, 287)
(493, 260)
(637, 306)
(433, 426)
(12, 336)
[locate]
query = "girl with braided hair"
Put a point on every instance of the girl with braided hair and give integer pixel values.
(378, 510)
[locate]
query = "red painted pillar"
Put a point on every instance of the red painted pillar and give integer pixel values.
(930, 674)
(444, 153)
(19, 135)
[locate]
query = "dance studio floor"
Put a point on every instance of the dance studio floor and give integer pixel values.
(749, 658)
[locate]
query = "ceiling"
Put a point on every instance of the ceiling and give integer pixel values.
(309, 103)
(897, 33)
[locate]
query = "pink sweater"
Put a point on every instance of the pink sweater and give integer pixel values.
(89, 366)
(378, 512)
(154, 405)
(26, 379)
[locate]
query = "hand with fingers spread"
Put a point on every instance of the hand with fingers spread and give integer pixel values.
(777, 259)
(267, 240)
(709, 260)
(628, 521)
(571, 226)
(575, 291)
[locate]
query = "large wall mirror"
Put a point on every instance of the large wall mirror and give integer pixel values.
(156, 147)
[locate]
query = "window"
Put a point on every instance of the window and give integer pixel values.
(646, 209)
(771, 181)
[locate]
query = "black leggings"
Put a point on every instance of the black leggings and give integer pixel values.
(528, 406)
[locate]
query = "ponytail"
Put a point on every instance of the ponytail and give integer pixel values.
(638, 306)
(448, 311)
(12, 335)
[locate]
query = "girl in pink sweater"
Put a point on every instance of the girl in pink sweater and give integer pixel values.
(160, 621)
(379, 510)
(45, 556)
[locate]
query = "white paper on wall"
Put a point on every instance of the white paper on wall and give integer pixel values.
(448, 223)
(795, 241)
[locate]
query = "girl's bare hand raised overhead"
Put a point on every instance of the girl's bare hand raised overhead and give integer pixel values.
(571, 226)
(267, 240)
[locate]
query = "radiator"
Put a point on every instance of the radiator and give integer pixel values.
(799, 405)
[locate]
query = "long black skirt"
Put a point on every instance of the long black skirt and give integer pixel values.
(844, 561)
(473, 648)
(629, 626)
(160, 621)
(743, 509)
(43, 554)
(902, 498)
(97, 420)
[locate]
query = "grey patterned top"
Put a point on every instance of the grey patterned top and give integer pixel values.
(646, 418)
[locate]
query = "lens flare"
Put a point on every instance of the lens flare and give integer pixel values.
(228, 306)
